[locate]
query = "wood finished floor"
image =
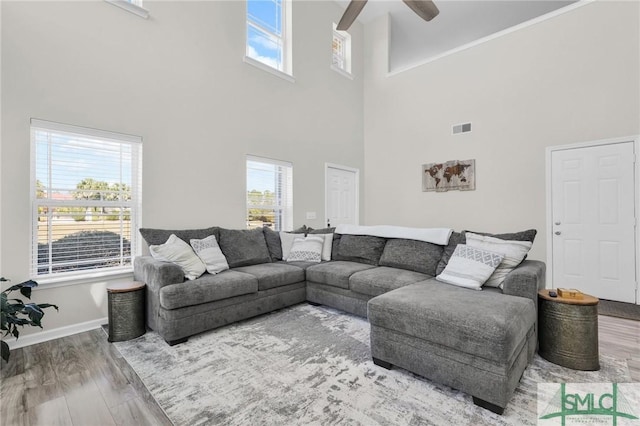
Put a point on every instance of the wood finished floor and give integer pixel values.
(82, 380)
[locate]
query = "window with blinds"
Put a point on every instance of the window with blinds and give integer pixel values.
(341, 51)
(269, 33)
(86, 195)
(269, 194)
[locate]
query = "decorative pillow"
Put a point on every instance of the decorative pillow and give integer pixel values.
(470, 267)
(514, 253)
(177, 251)
(160, 236)
(244, 247)
(307, 249)
(455, 239)
(273, 243)
(360, 248)
(327, 245)
(286, 241)
(209, 252)
(418, 256)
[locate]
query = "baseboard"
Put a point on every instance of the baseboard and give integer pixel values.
(56, 333)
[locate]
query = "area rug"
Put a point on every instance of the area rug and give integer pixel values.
(312, 365)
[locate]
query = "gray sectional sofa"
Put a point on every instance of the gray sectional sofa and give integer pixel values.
(478, 342)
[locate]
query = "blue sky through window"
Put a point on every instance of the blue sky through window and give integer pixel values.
(264, 31)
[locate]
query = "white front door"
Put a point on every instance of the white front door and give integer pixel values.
(593, 231)
(341, 195)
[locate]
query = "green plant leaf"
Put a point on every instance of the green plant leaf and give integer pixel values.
(34, 312)
(5, 349)
(47, 305)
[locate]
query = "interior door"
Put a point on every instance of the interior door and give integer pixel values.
(341, 196)
(593, 238)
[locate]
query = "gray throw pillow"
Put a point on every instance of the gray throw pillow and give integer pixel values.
(359, 248)
(321, 231)
(418, 256)
(244, 247)
(155, 237)
(273, 243)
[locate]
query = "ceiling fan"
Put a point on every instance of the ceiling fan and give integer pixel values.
(425, 9)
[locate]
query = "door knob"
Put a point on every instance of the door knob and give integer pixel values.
(557, 232)
(557, 223)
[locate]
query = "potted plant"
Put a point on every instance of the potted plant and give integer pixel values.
(14, 312)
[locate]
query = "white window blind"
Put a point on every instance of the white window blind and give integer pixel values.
(86, 197)
(269, 194)
(341, 51)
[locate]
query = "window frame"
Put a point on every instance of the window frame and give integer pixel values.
(135, 204)
(346, 42)
(284, 202)
(285, 70)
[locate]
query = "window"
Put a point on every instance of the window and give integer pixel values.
(341, 51)
(269, 33)
(133, 6)
(85, 191)
(269, 194)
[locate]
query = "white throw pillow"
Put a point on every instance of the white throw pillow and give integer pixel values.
(209, 252)
(513, 252)
(327, 245)
(470, 267)
(177, 251)
(286, 241)
(308, 249)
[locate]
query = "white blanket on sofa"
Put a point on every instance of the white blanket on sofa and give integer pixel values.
(438, 236)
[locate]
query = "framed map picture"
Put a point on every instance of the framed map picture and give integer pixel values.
(452, 175)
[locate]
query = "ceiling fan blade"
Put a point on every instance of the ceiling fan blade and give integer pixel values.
(425, 9)
(350, 15)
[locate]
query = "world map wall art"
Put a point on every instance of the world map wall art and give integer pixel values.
(452, 175)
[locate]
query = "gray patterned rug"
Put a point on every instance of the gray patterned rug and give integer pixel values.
(311, 365)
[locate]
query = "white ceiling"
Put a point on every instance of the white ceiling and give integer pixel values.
(460, 22)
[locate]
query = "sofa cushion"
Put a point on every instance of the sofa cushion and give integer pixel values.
(244, 247)
(455, 239)
(271, 275)
(377, 281)
(207, 288)
(160, 236)
(273, 243)
(335, 273)
(412, 255)
(360, 248)
(484, 324)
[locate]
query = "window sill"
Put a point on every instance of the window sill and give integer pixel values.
(129, 7)
(271, 70)
(82, 278)
(342, 72)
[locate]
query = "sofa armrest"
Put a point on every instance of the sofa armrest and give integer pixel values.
(526, 280)
(156, 274)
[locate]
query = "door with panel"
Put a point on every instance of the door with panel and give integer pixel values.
(593, 213)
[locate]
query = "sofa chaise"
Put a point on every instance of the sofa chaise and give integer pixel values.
(477, 341)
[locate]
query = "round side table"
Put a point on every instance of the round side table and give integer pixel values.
(568, 331)
(126, 305)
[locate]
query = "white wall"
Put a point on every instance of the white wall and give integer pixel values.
(569, 79)
(179, 81)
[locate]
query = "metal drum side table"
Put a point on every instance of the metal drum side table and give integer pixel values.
(126, 311)
(568, 331)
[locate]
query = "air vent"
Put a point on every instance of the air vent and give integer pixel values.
(461, 128)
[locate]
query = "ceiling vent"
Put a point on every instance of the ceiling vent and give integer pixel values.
(461, 128)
